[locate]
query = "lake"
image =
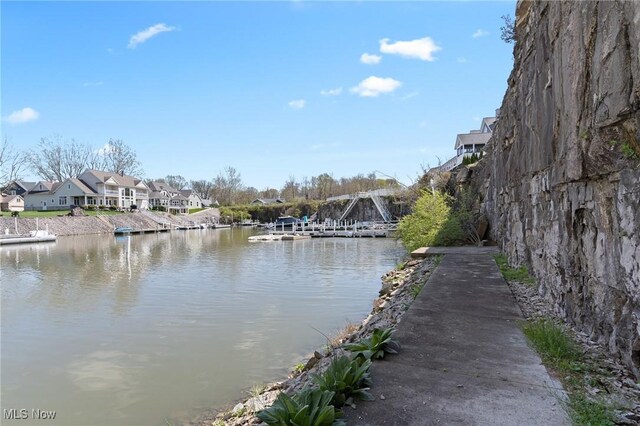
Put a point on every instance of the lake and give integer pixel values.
(137, 330)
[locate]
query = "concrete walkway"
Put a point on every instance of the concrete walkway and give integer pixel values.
(464, 361)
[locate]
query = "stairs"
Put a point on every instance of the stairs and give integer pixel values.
(382, 209)
(349, 207)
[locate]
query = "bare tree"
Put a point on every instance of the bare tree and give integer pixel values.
(202, 188)
(226, 186)
(290, 188)
(176, 181)
(57, 160)
(12, 163)
(120, 158)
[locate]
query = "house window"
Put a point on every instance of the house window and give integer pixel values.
(69, 186)
(62, 201)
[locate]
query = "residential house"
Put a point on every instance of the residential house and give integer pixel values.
(193, 200)
(11, 203)
(178, 204)
(168, 197)
(18, 187)
(93, 187)
(266, 201)
(470, 143)
(115, 189)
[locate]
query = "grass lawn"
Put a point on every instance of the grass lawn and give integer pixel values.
(192, 211)
(56, 213)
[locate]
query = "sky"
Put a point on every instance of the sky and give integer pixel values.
(273, 89)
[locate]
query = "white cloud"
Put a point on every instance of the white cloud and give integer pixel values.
(462, 60)
(331, 92)
(150, 32)
(374, 86)
(23, 115)
(370, 59)
(480, 33)
(422, 48)
(92, 84)
(297, 104)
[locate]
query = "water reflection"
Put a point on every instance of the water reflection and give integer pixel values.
(132, 330)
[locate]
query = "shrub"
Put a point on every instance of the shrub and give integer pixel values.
(310, 407)
(375, 346)
(347, 378)
(431, 222)
(112, 208)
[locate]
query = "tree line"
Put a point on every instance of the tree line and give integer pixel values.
(57, 159)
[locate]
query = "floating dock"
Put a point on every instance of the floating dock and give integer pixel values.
(32, 237)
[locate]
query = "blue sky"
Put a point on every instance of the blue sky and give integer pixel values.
(271, 88)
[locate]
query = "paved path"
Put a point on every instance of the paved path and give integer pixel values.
(464, 361)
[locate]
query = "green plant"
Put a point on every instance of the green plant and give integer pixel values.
(376, 346)
(553, 344)
(257, 389)
(299, 368)
(431, 222)
(585, 412)
(520, 274)
(629, 152)
(347, 378)
(310, 407)
(415, 289)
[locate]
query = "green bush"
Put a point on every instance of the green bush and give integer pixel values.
(347, 378)
(310, 407)
(431, 223)
(375, 346)
(520, 274)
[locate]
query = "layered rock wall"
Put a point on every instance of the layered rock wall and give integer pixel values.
(561, 181)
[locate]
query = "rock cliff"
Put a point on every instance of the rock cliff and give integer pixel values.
(561, 181)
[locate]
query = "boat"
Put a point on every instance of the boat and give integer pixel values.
(286, 222)
(123, 230)
(40, 236)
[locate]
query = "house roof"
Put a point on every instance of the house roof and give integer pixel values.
(47, 186)
(158, 195)
(189, 192)
(472, 139)
(9, 198)
(81, 185)
(161, 186)
(268, 200)
(179, 197)
(122, 180)
(25, 185)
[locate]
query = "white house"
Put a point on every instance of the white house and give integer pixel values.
(93, 187)
(11, 203)
(193, 200)
(470, 143)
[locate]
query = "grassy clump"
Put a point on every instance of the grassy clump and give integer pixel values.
(553, 344)
(559, 351)
(585, 412)
(520, 274)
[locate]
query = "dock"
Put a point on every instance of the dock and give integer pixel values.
(31, 237)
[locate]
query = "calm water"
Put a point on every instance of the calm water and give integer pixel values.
(133, 330)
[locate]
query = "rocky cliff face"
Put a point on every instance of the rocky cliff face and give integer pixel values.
(561, 183)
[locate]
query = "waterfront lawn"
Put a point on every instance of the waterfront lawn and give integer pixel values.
(55, 213)
(192, 211)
